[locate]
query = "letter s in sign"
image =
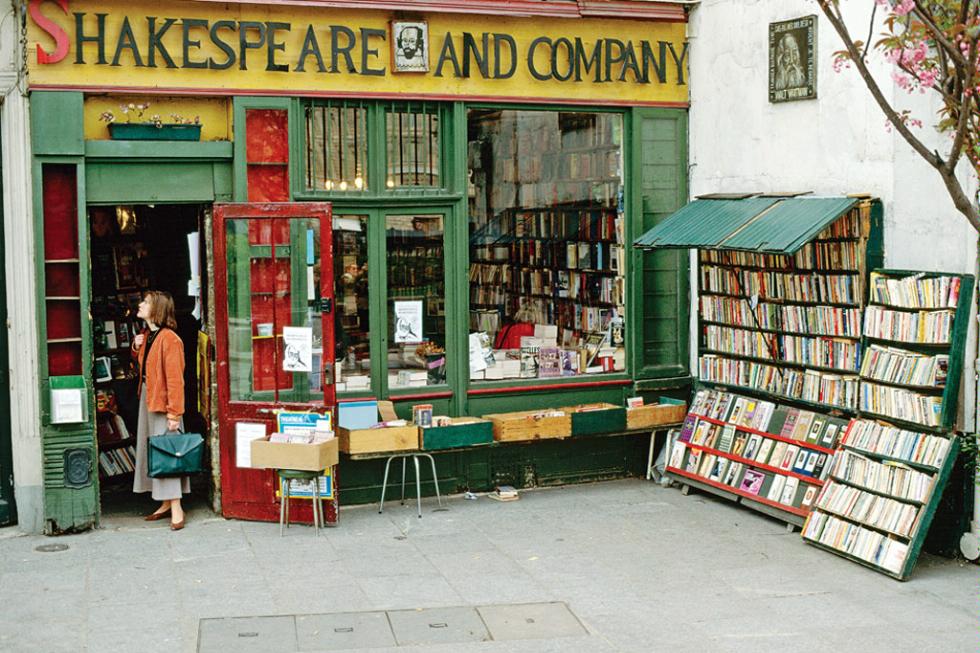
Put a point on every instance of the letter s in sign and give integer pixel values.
(52, 29)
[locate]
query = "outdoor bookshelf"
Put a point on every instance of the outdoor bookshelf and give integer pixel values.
(788, 326)
(771, 457)
(920, 320)
(883, 491)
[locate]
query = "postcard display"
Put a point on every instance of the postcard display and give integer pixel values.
(819, 412)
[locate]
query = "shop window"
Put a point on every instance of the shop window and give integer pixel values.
(336, 147)
(413, 146)
(350, 261)
(547, 255)
(416, 301)
(267, 155)
(62, 296)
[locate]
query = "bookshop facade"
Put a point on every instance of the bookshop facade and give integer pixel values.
(485, 172)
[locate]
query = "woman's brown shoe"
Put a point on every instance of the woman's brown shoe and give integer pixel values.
(157, 515)
(176, 525)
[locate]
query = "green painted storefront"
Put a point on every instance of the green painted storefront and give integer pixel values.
(655, 180)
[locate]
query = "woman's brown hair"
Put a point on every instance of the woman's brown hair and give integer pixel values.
(162, 311)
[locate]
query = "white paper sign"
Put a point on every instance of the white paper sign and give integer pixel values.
(477, 361)
(298, 349)
(408, 321)
(245, 432)
(66, 406)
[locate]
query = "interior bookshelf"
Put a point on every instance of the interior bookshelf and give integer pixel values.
(915, 328)
(788, 326)
(882, 492)
(771, 457)
(565, 265)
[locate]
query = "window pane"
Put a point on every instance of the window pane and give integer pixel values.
(350, 259)
(336, 147)
(416, 301)
(547, 256)
(413, 148)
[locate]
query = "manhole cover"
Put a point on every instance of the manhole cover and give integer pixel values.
(51, 548)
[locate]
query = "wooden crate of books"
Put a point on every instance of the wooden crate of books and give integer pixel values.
(389, 438)
(530, 425)
(593, 419)
(460, 432)
(654, 415)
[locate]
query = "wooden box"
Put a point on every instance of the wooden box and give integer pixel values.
(389, 438)
(288, 455)
(463, 432)
(529, 425)
(654, 415)
(593, 419)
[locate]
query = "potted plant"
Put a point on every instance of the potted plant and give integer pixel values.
(152, 128)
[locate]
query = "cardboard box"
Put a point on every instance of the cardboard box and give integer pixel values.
(593, 419)
(529, 425)
(284, 455)
(389, 438)
(654, 415)
(462, 432)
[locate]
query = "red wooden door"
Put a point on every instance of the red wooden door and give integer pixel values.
(273, 270)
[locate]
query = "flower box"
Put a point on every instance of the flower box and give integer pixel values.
(147, 131)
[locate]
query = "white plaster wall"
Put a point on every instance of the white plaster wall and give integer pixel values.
(836, 144)
(21, 326)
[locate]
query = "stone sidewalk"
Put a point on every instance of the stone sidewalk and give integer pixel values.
(639, 567)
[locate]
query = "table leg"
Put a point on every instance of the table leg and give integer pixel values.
(316, 510)
(403, 479)
(653, 439)
(282, 503)
(418, 485)
(435, 479)
(384, 485)
(286, 499)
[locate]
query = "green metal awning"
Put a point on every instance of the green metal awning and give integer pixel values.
(774, 225)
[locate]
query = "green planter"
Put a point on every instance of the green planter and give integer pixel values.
(124, 131)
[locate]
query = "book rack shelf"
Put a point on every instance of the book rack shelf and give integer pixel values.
(770, 457)
(788, 325)
(915, 328)
(883, 490)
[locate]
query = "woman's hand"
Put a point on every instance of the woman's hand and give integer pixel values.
(173, 424)
(138, 340)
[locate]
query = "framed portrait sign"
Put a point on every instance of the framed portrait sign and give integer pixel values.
(792, 60)
(409, 46)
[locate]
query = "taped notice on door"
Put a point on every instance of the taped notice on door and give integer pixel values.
(245, 432)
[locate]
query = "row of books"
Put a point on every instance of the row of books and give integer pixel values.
(869, 436)
(117, 461)
(569, 254)
(813, 288)
(815, 320)
(567, 224)
(901, 403)
(820, 351)
(834, 255)
(564, 284)
(486, 320)
(932, 327)
(894, 365)
(847, 226)
(808, 385)
(867, 509)
(579, 317)
(899, 481)
(868, 545)
(756, 447)
(804, 426)
(779, 488)
(915, 291)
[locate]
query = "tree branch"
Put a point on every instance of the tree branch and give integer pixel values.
(869, 80)
(923, 14)
(964, 109)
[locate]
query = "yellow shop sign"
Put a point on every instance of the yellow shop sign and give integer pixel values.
(227, 48)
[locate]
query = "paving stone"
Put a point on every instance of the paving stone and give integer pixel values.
(248, 635)
(437, 626)
(531, 621)
(336, 632)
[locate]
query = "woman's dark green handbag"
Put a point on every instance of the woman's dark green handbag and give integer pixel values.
(175, 454)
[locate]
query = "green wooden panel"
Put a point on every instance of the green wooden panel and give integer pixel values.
(56, 123)
(157, 150)
(660, 285)
(70, 511)
(144, 182)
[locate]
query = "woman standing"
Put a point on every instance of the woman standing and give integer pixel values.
(160, 353)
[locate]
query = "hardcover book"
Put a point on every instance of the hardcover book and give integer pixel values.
(816, 429)
(789, 423)
(687, 429)
(726, 439)
(776, 489)
(789, 491)
(752, 481)
(765, 450)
